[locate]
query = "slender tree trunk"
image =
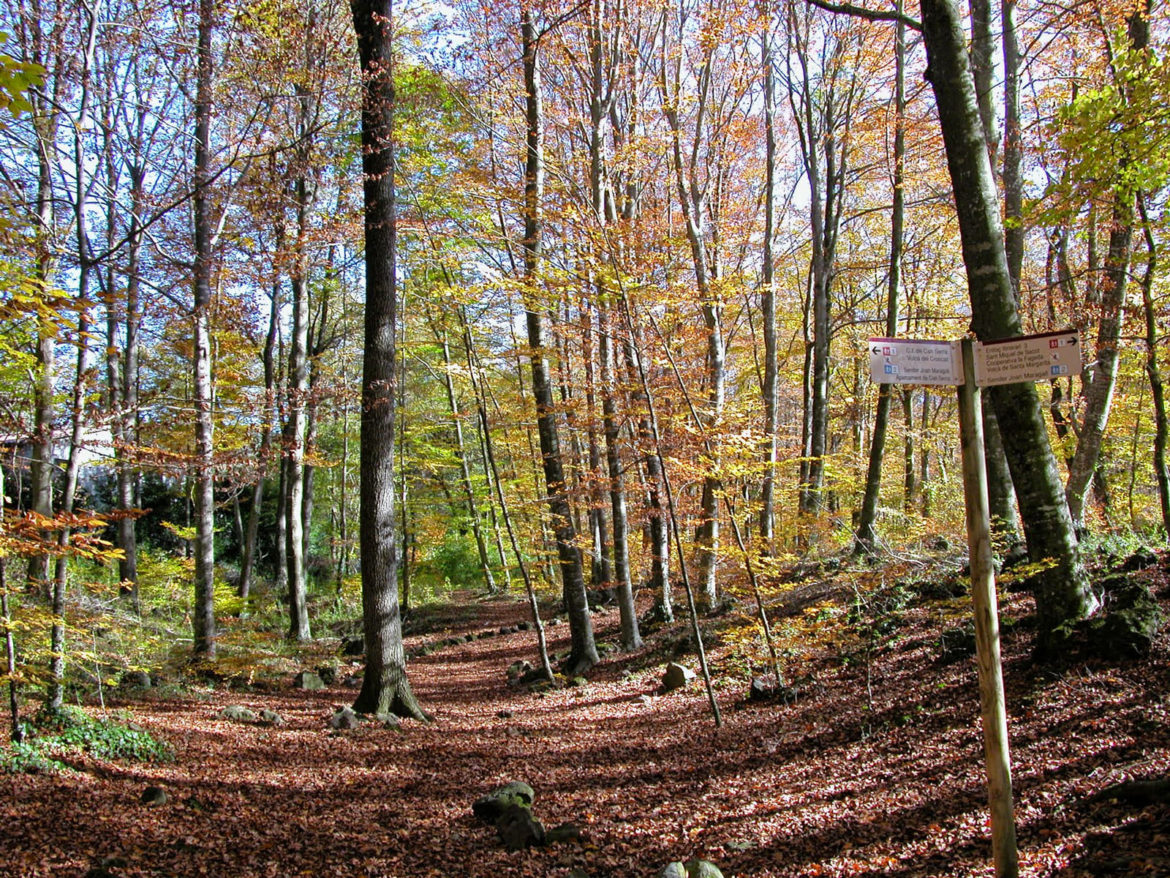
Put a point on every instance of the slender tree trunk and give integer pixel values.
(203, 611)
(1154, 371)
(1099, 391)
(16, 729)
(343, 495)
(1064, 595)
(691, 201)
(1000, 491)
(603, 567)
(583, 654)
(866, 535)
(122, 362)
(659, 524)
(56, 688)
(280, 538)
(294, 496)
(248, 562)
(296, 430)
(909, 472)
(692, 607)
(485, 564)
(771, 384)
(493, 471)
(1013, 148)
(41, 465)
(816, 398)
(630, 636)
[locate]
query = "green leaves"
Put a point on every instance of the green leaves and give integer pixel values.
(1115, 137)
(16, 78)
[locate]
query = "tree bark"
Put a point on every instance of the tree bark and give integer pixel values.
(298, 392)
(41, 464)
(866, 535)
(999, 482)
(1099, 391)
(385, 687)
(583, 654)
(203, 611)
(1063, 592)
(771, 384)
(691, 201)
(56, 687)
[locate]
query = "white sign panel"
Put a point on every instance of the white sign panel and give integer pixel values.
(915, 361)
(1028, 358)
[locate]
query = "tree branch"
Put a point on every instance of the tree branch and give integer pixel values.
(868, 14)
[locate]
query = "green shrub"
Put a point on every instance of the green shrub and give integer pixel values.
(28, 757)
(107, 739)
(55, 734)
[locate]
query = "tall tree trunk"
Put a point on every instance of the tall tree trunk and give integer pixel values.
(16, 728)
(604, 212)
(999, 484)
(343, 493)
(630, 636)
(493, 471)
(583, 654)
(823, 110)
(771, 384)
(1099, 390)
(203, 611)
(122, 359)
(280, 538)
(909, 473)
(45, 121)
(866, 535)
(1063, 592)
(385, 687)
(56, 688)
(691, 201)
(298, 392)
(1000, 491)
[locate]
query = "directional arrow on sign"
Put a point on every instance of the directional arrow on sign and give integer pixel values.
(1047, 355)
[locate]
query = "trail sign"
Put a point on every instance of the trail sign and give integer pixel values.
(915, 361)
(1028, 358)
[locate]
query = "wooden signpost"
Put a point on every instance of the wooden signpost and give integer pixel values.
(970, 365)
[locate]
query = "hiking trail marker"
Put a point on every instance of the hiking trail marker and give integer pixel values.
(970, 365)
(1028, 358)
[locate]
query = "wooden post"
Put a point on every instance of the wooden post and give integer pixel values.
(995, 735)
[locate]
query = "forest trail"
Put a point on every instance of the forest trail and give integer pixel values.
(822, 786)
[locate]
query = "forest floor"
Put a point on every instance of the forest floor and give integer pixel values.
(835, 782)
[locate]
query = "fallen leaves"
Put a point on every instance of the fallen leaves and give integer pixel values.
(819, 787)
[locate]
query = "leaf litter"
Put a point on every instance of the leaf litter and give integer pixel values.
(830, 784)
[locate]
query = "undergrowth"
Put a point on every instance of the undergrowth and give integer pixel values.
(52, 737)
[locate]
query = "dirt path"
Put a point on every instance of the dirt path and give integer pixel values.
(779, 790)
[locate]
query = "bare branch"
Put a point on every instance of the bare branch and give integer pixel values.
(868, 14)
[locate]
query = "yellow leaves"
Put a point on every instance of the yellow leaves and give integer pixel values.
(26, 534)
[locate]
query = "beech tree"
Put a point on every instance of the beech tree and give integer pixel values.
(203, 615)
(584, 650)
(1064, 595)
(385, 687)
